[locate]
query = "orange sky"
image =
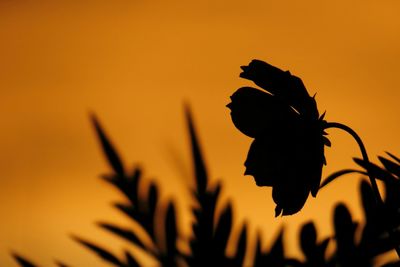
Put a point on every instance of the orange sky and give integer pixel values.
(134, 63)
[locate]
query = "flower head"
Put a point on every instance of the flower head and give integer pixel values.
(288, 148)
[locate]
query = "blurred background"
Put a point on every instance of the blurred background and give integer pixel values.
(134, 64)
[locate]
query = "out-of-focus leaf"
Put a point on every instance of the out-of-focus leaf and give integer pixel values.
(368, 202)
(129, 211)
(275, 257)
(223, 230)
(241, 247)
(376, 171)
(152, 198)
(314, 252)
(391, 166)
(124, 233)
(149, 215)
(171, 231)
(277, 250)
(199, 165)
(393, 157)
(378, 246)
(130, 260)
(258, 257)
(128, 186)
(22, 261)
(101, 252)
(134, 184)
(308, 239)
(108, 148)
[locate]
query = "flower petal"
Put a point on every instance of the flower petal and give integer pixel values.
(289, 158)
(280, 83)
(253, 111)
(264, 161)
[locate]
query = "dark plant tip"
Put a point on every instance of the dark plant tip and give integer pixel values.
(92, 115)
(74, 237)
(100, 223)
(393, 156)
(23, 262)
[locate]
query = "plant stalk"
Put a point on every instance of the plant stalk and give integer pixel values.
(375, 189)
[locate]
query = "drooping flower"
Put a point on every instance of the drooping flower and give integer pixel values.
(288, 148)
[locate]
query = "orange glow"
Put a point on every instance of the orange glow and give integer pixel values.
(134, 63)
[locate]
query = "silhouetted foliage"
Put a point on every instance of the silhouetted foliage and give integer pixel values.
(209, 241)
(23, 262)
(313, 250)
(287, 154)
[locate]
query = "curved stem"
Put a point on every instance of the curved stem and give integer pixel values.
(365, 158)
(363, 152)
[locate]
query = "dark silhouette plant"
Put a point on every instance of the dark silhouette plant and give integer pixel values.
(288, 148)
(289, 134)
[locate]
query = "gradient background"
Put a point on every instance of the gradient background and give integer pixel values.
(134, 63)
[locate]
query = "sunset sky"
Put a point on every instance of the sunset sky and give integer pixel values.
(134, 64)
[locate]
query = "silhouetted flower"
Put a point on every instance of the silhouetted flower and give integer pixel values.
(288, 148)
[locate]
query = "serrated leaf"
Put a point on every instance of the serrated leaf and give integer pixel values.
(323, 246)
(197, 157)
(108, 148)
(260, 258)
(130, 260)
(223, 230)
(135, 180)
(99, 251)
(129, 211)
(124, 233)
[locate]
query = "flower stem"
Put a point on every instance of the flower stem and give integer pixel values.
(366, 159)
(363, 152)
